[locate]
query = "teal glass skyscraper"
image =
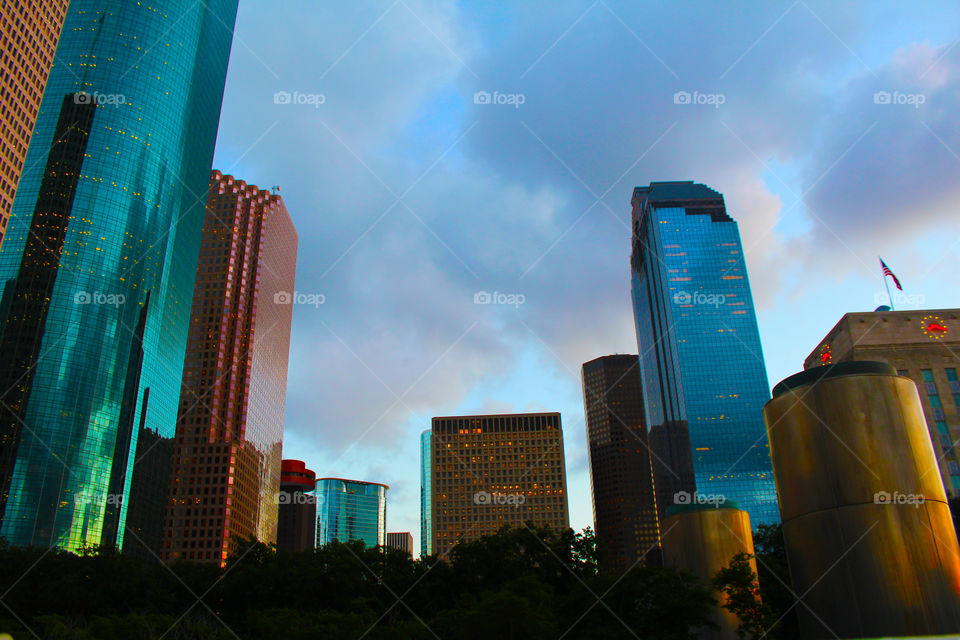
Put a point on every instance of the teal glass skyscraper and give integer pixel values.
(426, 495)
(349, 510)
(702, 370)
(97, 270)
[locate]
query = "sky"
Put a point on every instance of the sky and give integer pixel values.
(432, 151)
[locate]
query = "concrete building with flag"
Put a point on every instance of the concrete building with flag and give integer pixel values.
(922, 345)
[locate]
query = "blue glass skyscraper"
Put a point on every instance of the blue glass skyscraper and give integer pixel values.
(350, 510)
(702, 366)
(426, 495)
(97, 270)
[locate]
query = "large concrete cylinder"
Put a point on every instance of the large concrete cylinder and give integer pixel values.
(702, 539)
(870, 543)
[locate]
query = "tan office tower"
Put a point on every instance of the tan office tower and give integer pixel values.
(921, 345)
(29, 31)
(870, 544)
(494, 471)
(226, 463)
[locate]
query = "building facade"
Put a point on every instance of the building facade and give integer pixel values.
(349, 510)
(704, 380)
(29, 31)
(921, 345)
(97, 270)
(426, 498)
(402, 540)
(492, 471)
(621, 475)
(226, 461)
(297, 513)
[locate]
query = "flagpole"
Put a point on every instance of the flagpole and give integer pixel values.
(887, 285)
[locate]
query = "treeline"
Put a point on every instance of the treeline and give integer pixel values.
(520, 583)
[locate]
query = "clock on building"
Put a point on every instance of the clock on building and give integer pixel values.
(826, 357)
(933, 327)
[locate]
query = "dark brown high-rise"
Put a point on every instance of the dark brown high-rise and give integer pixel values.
(29, 31)
(624, 503)
(226, 466)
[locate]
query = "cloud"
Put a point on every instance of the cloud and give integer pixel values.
(884, 169)
(409, 197)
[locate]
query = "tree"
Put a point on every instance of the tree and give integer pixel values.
(741, 590)
(527, 582)
(764, 601)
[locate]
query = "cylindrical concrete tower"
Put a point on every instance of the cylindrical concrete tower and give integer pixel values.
(702, 539)
(870, 543)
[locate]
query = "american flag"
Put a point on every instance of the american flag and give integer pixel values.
(887, 272)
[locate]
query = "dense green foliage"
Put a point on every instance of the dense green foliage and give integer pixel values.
(520, 583)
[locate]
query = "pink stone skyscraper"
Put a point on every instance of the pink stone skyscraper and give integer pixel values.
(226, 463)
